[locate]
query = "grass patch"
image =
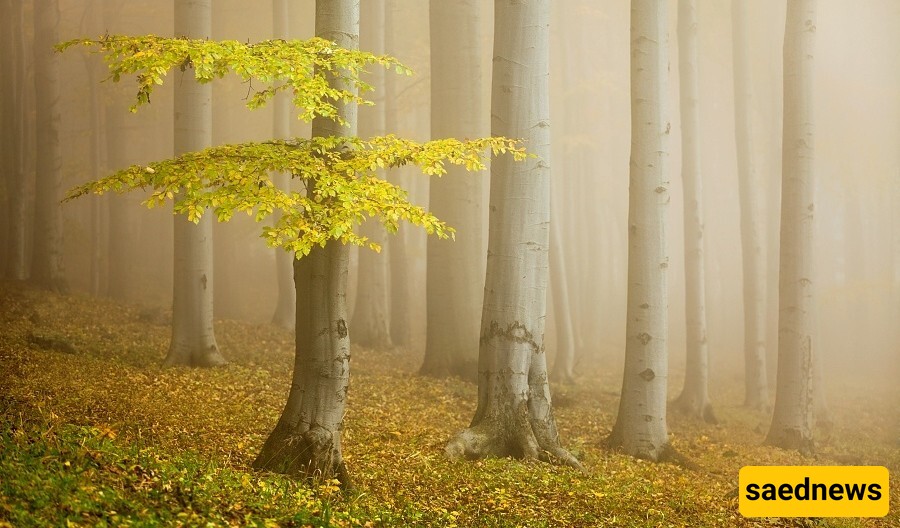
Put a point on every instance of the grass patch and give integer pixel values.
(103, 436)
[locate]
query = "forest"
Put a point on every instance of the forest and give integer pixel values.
(450, 263)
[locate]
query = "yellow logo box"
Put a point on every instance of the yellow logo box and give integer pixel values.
(814, 491)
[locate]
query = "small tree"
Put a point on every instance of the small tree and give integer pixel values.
(342, 190)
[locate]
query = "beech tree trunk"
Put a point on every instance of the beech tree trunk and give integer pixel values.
(46, 262)
(514, 415)
(640, 429)
(455, 269)
(694, 398)
(371, 322)
(792, 420)
(14, 109)
(283, 110)
(564, 365)
(307, 439)
(753, 250)
(193, 339)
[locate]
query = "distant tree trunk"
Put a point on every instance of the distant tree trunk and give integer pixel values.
(193, 338)
(753, 250)
(792, 421)
(46, 262)
(640, 429)
(455, 269)
(564, 365)
(99, 262)
(694, 398)
(307, 439)
(514, 415)
(15, 78)
(283, 107)
(371, 322)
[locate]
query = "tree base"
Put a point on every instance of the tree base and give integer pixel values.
(695, 408)
(791, 439)
(311, 454)
(507, 438)
(203, 358)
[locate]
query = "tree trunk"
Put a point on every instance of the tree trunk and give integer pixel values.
(307, 439)
(694, 398)
(792, 421)
(753, 250)
(455, 269)
(514, 415)
(283, 108)
(564, 364)
(193, 338)
(640, 428)
(46, 262)
(371, 324)
(14, 118)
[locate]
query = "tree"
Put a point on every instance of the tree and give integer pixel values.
(285, 306)
(193, 337)
(46, 264)
(455, 277)
(342, 189)
(694, 398)
(753, 251)
(15, 129)
(564, 365)
(793, 413)
(640, 429)
(514, 416)
(371, 324)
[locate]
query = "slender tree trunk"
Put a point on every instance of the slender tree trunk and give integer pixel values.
(371, 323)
(193, 338)
(99, 262)
(694, 398)
(284, 262)
(514, 415)
(14, 115)
(753, 250)
(307, 439)
(46, 263)
(792, 421)
(564, 365)
(455, 269)
(640, 428)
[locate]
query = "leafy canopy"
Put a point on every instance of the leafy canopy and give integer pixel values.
(342, 186)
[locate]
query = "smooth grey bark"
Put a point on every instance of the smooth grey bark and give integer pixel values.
(694, 398)
(307, 438)
(753, 250)
(793, 413)
(640, 429)
(285, 305)
(371, 321)
(46, 263)
(15, 128)
(455, 269)
(193, 338)
(514, 415)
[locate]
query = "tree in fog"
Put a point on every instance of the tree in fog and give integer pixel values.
(756, 385)
(285, 305)
(694, 398)
(640, 429)
(514, 416)
(46, 264)
(193, 337)
(14, 130)
(342, 188)
(455, 277)
(564, 364)
(370, 325)
(792, 420)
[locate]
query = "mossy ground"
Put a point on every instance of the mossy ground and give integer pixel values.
(99, 434)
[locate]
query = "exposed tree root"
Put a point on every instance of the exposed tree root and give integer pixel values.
(694, 407)
(311, 454)
(210, 357)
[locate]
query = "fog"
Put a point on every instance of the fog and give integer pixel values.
(857, 166)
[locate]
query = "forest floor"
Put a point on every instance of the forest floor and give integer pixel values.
(93, 432)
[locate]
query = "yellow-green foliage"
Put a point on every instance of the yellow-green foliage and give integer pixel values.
(105, 436)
